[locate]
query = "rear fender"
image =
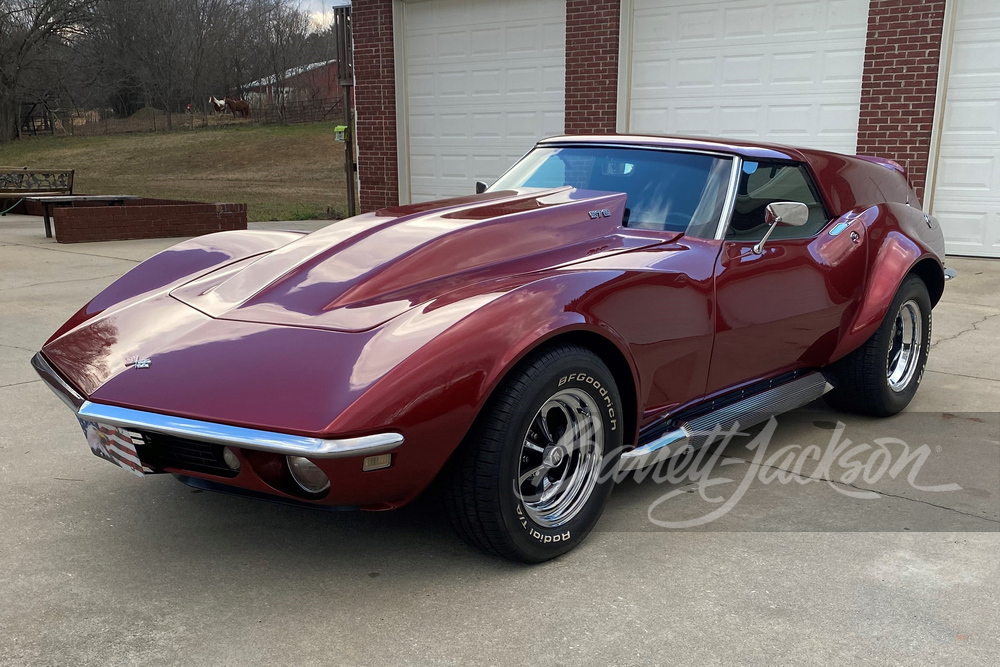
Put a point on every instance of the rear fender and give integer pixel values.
(897, 256)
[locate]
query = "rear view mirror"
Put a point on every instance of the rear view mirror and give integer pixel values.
(480, 187)
(791, 213)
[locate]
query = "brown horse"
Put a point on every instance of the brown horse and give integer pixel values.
(238, 105)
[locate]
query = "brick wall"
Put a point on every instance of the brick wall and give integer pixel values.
(36, 208)
(114, 223)
(592, 66)
(375, 103)
(900, 81)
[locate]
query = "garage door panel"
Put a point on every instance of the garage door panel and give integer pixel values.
(797, 65)
(966, 197)
(971, 229)
(484, 82)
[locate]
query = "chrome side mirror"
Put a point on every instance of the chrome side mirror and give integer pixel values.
(480, 187)
(791, 213)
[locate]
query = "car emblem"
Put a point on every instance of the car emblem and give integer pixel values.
(137, 362)
(602, 213)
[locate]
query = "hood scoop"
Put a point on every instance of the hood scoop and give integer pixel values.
(356, 274)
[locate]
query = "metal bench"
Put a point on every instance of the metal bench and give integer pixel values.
(19, 182)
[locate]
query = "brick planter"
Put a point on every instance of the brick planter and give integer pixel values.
(145, 221)
(35, 208)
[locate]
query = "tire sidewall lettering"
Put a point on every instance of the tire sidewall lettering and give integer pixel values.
(602, 391)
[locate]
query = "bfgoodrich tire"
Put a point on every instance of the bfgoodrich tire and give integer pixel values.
(535, 472)
(881, 377)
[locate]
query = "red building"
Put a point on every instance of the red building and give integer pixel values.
(308, 83)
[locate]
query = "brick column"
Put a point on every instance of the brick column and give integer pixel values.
(592, 66)
(900, 82)
(375, 103)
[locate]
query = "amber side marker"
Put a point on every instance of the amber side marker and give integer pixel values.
(376, 462)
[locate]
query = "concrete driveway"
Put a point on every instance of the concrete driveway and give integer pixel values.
(804, 567)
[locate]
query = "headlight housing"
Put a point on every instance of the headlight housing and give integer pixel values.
(307, 474)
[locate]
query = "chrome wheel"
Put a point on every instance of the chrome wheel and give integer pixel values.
(560, 458)
(904, 347)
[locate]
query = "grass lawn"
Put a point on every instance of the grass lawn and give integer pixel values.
(293, 172)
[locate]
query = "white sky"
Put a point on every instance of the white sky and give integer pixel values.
(317, 7)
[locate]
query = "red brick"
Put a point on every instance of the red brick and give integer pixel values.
(145, 219)
(900, 81)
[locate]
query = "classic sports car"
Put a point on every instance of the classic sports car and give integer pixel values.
(602, 306)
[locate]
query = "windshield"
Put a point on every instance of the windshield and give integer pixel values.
(667, 191)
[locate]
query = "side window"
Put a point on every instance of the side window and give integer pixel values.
(762, 183)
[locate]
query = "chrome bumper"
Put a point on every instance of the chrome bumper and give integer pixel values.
(222, 434)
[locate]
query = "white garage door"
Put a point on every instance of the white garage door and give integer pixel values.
(967, 182)
(483, 82)
(784, 71)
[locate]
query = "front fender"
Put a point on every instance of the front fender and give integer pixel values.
(430, 371)
(176, 265)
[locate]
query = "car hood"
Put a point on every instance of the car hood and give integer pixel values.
(364, 271)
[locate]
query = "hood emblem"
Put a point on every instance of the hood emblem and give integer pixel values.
(137, 362)
(602, 213)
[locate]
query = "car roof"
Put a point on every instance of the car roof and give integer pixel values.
(844, 181)
(746, 149)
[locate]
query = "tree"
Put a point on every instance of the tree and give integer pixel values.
(31, 33)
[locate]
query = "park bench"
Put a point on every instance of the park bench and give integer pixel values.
(16, 183)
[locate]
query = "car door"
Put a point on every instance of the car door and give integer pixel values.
(783, 308)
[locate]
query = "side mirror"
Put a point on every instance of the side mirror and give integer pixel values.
(791, 213)
(480, 187)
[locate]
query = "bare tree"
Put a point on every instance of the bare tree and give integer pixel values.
(127, 54)
(29, 31)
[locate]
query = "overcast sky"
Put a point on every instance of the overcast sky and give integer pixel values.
(317, 7)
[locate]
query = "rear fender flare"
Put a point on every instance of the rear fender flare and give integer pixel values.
(897, 257)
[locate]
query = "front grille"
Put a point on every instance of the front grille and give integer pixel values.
(167, 451)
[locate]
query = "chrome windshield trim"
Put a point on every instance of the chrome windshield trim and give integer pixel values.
(569, 143)
(238, 436)
(66, 393)
(727, 209)
(222, 434)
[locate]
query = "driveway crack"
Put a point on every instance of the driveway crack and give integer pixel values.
(974, 327)
(70, 280)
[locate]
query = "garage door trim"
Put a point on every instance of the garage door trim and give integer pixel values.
(402, 112)
(940, 97)
(624, 66)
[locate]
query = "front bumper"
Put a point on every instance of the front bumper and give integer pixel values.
(221, 434)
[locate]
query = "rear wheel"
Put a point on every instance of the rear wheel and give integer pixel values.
(534, 474)
(881, 377)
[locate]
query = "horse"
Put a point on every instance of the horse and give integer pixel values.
(217, 104)
(238, 105)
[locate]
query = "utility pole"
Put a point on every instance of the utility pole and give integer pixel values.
(345, 76)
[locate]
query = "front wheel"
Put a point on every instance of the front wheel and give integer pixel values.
(535, 472)
(881, 377)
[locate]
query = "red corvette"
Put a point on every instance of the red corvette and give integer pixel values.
(607, 301)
